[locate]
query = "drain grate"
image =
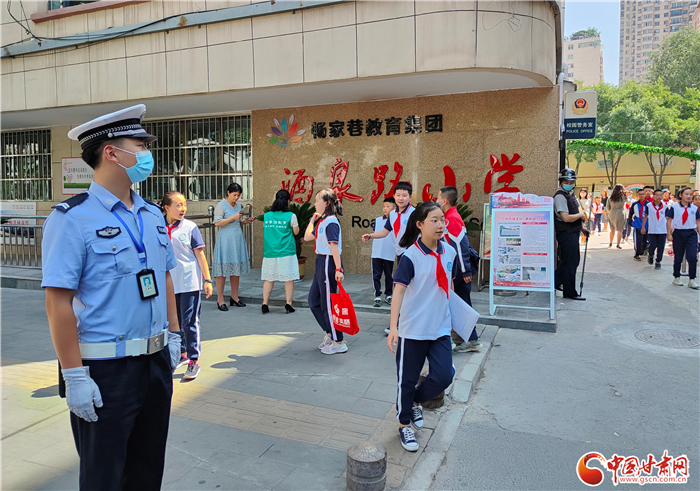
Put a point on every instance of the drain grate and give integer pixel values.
(668, 338)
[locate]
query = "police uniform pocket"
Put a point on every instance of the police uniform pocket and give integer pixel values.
(164, 242)
(113, 258)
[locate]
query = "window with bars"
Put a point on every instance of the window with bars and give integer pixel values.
(26, 165)
(200, 157)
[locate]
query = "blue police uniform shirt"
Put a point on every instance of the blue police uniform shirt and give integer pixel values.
(88, 250)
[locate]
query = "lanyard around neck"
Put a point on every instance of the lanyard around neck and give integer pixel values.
(139, 245)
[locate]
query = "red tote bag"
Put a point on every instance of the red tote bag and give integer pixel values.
(344, 318)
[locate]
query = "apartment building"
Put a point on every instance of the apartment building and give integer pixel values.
(584, 59)
(644, 24)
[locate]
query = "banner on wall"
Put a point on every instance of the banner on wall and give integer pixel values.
(18, 208)
(522, 246)
(76, 175)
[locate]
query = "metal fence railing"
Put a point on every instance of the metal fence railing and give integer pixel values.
(20, 245)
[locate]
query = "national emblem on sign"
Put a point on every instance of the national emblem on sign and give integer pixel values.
(580, 106)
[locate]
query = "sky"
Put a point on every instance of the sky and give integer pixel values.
(605, 16)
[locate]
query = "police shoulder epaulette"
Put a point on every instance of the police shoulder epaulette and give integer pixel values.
(154, 204)
(66, 205)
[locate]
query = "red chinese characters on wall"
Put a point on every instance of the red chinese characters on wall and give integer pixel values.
(509, 169)
(450, 180)
(302, 184)
(338, 174)
(380, 175)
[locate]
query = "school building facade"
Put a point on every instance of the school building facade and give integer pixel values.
(354, 95)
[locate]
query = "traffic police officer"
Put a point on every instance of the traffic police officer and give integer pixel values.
(111, 308)
(568, 224)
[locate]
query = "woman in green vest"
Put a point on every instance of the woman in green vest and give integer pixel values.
(280, 250)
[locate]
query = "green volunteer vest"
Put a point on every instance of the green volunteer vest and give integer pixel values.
(278, 235)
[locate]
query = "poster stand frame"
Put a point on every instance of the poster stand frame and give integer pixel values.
(550, 263)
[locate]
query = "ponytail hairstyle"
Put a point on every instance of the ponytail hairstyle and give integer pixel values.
(333, 206)
(420, 214)
(281, 202)
(167, 200)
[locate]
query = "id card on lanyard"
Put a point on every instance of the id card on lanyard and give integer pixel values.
(146, 279)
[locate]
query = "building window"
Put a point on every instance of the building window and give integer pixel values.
(677, 20)
(601, 163)
(675, 13)
(570, 57)
(571, 46)
(26, 165)
(200, 157)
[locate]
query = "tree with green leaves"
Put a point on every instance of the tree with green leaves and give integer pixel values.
(677, 62)
(591, 32)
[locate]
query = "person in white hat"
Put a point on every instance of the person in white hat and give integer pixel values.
(111, 308)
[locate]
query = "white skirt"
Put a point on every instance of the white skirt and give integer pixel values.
(280, 268)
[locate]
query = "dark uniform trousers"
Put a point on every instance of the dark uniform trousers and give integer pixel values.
(569, 258)
(125, 448)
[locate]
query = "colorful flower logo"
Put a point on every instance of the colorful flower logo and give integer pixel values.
(284, 133)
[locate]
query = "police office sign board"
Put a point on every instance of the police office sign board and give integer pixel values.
(580, 114)
(76, 175)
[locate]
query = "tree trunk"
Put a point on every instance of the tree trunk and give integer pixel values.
(650, 160)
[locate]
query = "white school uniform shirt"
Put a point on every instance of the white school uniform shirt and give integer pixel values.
(186, 238)
(425, 310)
(675, 212)
(389, 225)
(654, 225)
(382, 248)
(324, 237)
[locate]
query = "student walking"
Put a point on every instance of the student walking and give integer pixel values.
(188, 246)
(230, 256)
(598, 211)
(324, 230)
(280, 261)
(604, 202)
(655, 225)
(420, 317)
(683, 224)
(398, 220)
(635, 219)
(383, 257)
(456, 236)
(585, 208)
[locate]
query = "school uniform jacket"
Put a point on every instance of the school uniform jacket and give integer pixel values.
(402, 219)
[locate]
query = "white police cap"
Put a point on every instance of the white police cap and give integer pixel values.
(119, 124)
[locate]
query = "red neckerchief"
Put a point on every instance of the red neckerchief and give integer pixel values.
(661, 206)
(171, 228)
(596, 208)
(397, 223)
(684, 217)
(316, 229)
(439, 271)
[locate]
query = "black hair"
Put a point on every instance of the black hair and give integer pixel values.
(618, 193)
(390, 200)
(167, 200)
(450, 194)
(92, 155)
(419, 215)
(234, 187)
(648, 187)
(405, 186)
(333, 206)
(681, 191)
(281, 201)
(658, 191)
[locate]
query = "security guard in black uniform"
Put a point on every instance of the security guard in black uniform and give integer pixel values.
(568, 225)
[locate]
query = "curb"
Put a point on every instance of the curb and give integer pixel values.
(460, 393)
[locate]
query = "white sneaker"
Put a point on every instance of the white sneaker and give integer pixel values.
(326, 341)
(693, 284)
(387, 330)
(677, 282)
(334, 348)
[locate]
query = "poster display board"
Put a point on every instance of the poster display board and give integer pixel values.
(76, 175)
(522, 246)
(484, 247)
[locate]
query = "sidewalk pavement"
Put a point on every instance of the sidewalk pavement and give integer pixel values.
(268, 411)
(595, 386)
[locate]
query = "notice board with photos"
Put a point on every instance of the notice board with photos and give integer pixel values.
(522, 246)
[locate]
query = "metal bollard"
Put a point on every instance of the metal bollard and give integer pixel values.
(366, 469)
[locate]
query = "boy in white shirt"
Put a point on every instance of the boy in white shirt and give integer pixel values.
(655, 226)
(383, 257)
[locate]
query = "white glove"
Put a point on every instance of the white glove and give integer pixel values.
(174, 346)
(82, 393)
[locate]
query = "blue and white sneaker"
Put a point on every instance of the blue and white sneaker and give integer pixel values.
(408, 438)
(417, 417)
(387, 331)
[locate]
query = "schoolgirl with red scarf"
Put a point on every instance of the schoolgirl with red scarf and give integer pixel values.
(420, 317)
(324, 230)
(683, 224)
